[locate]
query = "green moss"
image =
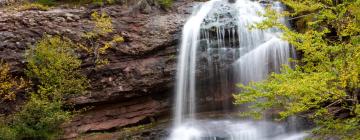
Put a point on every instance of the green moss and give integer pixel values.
(32, 6)
(165, 3)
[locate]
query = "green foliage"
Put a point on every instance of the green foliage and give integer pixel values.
(292, 90)
(165, 3)
(32, 6)
(54, 64)
(9, 85)
(53, 67)
(327, 75)
(103, 28)
(46, 2)
(40, 119)
(103, 2)
(6, 132)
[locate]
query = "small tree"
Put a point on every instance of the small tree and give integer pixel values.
(55, 67)
(103, 28)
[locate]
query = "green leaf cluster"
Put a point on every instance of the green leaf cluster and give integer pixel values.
(165, 3)
(9, 85)
(98, 40)
(103, 2)
(54, 70)
(46, 2)
(38, 119)
(54, 65)
(326, 80)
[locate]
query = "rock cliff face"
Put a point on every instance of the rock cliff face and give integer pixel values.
(136, 86)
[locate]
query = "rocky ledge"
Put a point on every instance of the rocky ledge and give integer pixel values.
(134, 88)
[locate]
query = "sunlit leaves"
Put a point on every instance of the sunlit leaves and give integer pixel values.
(9, 85)
(55, 65)
(103, 27)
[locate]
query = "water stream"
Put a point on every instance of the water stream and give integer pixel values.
(217, 44)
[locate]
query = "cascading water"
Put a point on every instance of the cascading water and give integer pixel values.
(218, 44)
(185, 85)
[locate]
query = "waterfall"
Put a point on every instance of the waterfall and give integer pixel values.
(185, 84)
(217, 44)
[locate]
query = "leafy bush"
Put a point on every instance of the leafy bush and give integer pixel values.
(53, 67)
(6, 132)
(40, 119)
(103, 28)
(46, 2)
(165, 3)
(32, 6)
(9, 85)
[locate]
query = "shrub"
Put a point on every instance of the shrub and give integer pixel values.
(6, 132)
(103, 27)
(46, 2)
(55, 66)
(165, 3)
(40, 119)
(9, 85)
(32, 6)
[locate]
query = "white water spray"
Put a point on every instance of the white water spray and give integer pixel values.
(185, 84)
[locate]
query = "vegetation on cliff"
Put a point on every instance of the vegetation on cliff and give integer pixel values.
(44, 5)
(54, 75)
(53, 68)
(165, 3)
(325, 84)
(103, 28)
(9, 85)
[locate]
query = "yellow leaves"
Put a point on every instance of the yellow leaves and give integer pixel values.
(292, 92)
(104, 48)
(118, 39)
(354, 9)
(349, 68)
(103, 24)
(32, 6)
(9, 85)
(55, 65)
(86, 49)
(302, 6)
(351, 29)
(107, 45)
(98, 38)
(357, 110)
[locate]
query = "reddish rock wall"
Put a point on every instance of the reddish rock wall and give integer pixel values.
(137, 84)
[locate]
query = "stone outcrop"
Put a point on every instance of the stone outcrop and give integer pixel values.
(136, 86)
